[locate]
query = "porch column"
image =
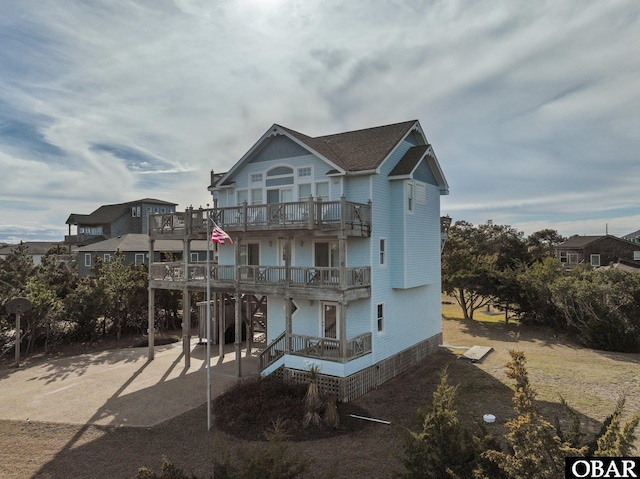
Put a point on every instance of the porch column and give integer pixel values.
(221, 299)
(342, 254)
(249, 316)
(186, 305)
(238, 341)
(288, 327)
(287, 260)
(151, 306)
(214, 314)
(186, 326)
(342, 314)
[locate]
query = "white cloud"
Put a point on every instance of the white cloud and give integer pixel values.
(530, 107)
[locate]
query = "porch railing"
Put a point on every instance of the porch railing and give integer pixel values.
(308, 214)
(317, 348)
(312, 277)
(273, 352)
(329, 348)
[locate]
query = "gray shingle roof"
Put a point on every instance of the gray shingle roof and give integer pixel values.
(109, 213)
(579, 241)
(134, 242)
(358, 150)
(409, 161)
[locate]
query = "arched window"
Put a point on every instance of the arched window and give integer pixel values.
(280, 175)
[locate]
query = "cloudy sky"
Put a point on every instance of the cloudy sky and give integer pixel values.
(533, 108)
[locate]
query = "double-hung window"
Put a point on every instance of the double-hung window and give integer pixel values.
(410, 194)
(380, 317)
(322, 191)
(382, 251)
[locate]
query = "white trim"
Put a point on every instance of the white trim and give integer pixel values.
(274, 130)
(415, 126)
(87, 259)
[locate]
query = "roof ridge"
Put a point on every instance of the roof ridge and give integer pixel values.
(366, 129)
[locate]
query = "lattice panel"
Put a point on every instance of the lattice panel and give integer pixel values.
(360, 383)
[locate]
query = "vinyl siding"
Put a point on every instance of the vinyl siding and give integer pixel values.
(357, 189)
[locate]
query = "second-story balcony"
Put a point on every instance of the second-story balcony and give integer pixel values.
(296, 281)
(315, 215)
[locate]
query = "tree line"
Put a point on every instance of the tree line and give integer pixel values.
(111, 302)
(496, 265)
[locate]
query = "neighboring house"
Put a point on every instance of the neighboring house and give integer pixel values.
(135, 248)
(597, 251)
(111, 221)
(340, 236)
(633, 237)
(36, 250)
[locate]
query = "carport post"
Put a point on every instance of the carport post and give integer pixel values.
(152, 307)
(17, 339)
(238, 342)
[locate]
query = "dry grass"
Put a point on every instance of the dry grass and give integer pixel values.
(591, 381)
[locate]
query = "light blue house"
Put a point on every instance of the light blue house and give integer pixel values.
(336, 252)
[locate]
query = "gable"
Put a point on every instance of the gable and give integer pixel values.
(278, 147)
(419, 163)
(353, 152)
(423, 173)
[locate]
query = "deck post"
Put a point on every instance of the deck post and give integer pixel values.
(186, 306)
(151, 306)
(244, 216)
(187, 220)
(288, 326)
(221, 299)
(343, 213)
(249, 316)
(311, 212)
(238, 341)
(287, 261)
(342, 314)
(342, 254)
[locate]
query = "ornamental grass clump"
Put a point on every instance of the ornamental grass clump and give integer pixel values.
(312, 400)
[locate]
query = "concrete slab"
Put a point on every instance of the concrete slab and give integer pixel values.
(119, 387)
(477, 353)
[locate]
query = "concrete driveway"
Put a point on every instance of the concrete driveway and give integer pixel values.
(119, 387)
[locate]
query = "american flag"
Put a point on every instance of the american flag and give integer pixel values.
(218, 235)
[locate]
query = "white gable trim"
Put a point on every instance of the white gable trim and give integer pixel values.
(414, 127)
(275, 130)
(430, 157)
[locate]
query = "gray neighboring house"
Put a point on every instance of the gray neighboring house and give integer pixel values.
(135, 248)
(597, 251)
(633, 237)
(35, 249)
(111, 221)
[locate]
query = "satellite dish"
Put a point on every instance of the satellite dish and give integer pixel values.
(18, 305)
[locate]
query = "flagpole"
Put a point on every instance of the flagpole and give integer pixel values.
(208, 323)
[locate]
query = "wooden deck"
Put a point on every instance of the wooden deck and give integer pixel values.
(301, 282)
(314, 217)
